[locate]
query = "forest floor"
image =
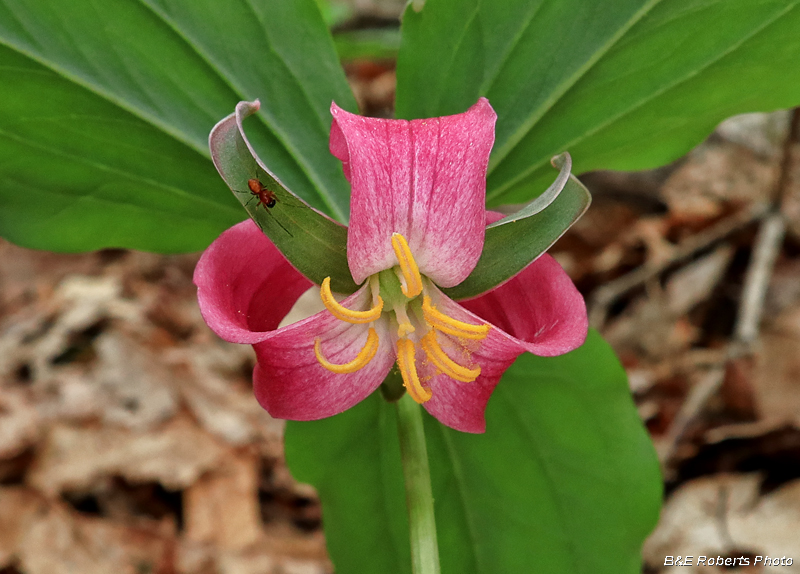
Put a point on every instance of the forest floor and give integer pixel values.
(130, 441)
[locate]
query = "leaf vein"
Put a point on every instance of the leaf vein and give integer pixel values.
(109, 97)
(458, 473)
(499, 191)
(118, 172)
(500, 153)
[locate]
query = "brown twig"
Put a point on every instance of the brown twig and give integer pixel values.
(759, 272)
(784, 177)
(765, 251)
(604, 296)
(767, 245)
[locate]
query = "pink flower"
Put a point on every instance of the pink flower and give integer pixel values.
(417, 223)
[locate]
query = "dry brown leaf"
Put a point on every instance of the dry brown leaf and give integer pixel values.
(723, 515)
(138, 391)
(693, 283)
(227, 410)
(93, 376)
(648, 328)
(174, 455)
(222, 507)
(761, 133)
(19, 422)
(776, 376)
(716, 174)
(791, 203)
(19, 506)
(63, 542)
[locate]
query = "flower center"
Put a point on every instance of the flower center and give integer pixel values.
(426, 328)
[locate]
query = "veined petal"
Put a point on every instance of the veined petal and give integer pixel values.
(245, 286)
(539, 308)
(289, 381)
(457, 404)
(462, 405)
(424, 179)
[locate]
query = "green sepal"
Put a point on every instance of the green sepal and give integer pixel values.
(313, 243)
(515, 241)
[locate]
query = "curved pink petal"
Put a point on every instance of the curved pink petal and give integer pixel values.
(245, 286)
(540, 308)
(425, 179)
(290, 383)
(462, 405)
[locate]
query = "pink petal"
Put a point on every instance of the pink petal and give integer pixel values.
(245, 287)
(291, 384)
(425, 179)
(462, 405)
(540, 308)
(539, 311)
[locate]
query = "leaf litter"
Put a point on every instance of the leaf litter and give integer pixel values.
(129, 437)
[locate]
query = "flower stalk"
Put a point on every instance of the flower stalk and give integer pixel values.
(419, 496)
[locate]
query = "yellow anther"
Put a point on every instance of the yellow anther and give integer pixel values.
(343, 313)
(408, 370)
(413, 280)
(364, 356)
(445, 324)
(444, 363)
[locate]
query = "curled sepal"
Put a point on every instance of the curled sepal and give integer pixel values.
(532, 230)
(312, 242)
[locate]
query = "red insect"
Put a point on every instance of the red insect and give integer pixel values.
(266, 197)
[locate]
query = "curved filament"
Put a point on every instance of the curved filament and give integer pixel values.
(408, 266)
(406, 361)
(445, 324)
(343, 313)
(364, 356)
(444, 363)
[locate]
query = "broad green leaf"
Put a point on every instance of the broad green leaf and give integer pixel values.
(532, 230)
(81, 174)
(105, 117)
(629, 84)
(564, 481)
(353, 460)
(313, 243)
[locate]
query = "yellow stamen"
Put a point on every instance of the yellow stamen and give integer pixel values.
(413, 280)
(445, 324)
(364, 356)
(444, 363)
(343, 313)
(408, 370)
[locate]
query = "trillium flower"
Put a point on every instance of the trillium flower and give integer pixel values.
(417, 223)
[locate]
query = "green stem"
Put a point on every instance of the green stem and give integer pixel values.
(419, 496)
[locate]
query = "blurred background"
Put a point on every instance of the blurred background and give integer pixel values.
(128, 430)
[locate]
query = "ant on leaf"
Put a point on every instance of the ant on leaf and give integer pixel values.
(266, 197)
